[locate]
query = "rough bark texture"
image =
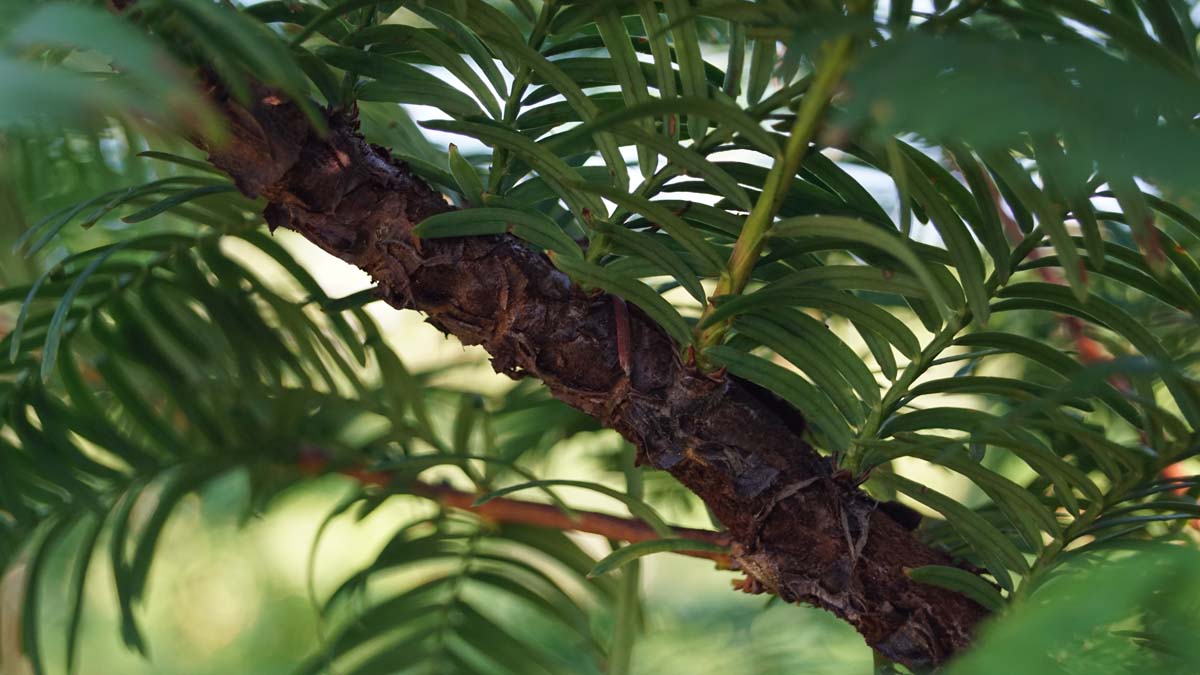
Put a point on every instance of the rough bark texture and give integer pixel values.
(800, 531)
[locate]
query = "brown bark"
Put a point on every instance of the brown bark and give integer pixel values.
(799, 530)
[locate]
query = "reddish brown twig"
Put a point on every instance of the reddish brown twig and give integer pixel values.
(504, 510)
(315, 461)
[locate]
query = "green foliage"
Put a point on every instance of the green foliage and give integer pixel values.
(1143, 622)
(446, 616)
(139, 371)
(1040, 157)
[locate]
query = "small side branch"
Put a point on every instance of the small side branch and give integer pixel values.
(504, 510)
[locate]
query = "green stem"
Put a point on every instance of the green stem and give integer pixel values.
(598, 246)
(915, 369)
(1048, 559)
(512, 105)
(454, 592)
(717, 136)
(629, 599)
(750, 242)
(923, 361)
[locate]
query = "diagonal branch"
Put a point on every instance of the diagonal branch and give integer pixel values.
(800, 530)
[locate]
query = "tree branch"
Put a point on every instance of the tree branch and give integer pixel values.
(504, 510)
(799, 529)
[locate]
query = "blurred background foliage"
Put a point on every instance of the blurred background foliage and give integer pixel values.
(173, 379)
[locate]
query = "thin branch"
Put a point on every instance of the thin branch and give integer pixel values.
(505, 510)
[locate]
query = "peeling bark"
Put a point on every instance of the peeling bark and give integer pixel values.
(800, 530)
